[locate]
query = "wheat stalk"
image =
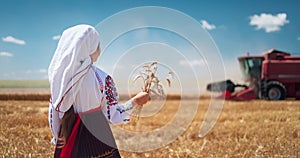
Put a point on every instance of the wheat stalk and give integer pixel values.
(152, 85)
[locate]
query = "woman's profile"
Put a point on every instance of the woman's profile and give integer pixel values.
(84, 98)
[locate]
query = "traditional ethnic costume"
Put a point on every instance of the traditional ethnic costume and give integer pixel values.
(76, 83)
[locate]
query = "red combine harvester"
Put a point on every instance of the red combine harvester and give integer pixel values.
(275, 75)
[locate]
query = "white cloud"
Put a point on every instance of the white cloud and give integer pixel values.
(13, 40)
(206, 25)
(298, 38)
(192, 63)
(45, 77)
(269, 22)
(6, 54)
(36, 71)
(57, 37)
(42, 70)
(9, 75)
(5, 75)
(28, 71)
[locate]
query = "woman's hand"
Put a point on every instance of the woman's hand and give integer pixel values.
(141, 98)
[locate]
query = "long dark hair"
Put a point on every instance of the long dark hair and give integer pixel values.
(67, 123)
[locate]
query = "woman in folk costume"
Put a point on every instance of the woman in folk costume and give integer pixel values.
(84, 98)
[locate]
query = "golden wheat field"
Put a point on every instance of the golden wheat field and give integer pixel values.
(256, 128)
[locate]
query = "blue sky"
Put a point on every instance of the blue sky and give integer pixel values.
(29, 28)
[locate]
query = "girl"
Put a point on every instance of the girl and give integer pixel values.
(84, 98)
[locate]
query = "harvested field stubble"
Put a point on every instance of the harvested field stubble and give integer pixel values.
(244, 129)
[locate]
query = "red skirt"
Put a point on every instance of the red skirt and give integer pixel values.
(91, 136)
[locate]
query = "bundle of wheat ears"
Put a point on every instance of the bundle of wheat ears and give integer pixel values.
(152, 85)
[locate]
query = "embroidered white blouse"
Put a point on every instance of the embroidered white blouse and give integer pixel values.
(115, 113)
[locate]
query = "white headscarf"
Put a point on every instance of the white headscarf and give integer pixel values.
(70, 65)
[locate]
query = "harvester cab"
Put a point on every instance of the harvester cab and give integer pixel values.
(251, 67)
